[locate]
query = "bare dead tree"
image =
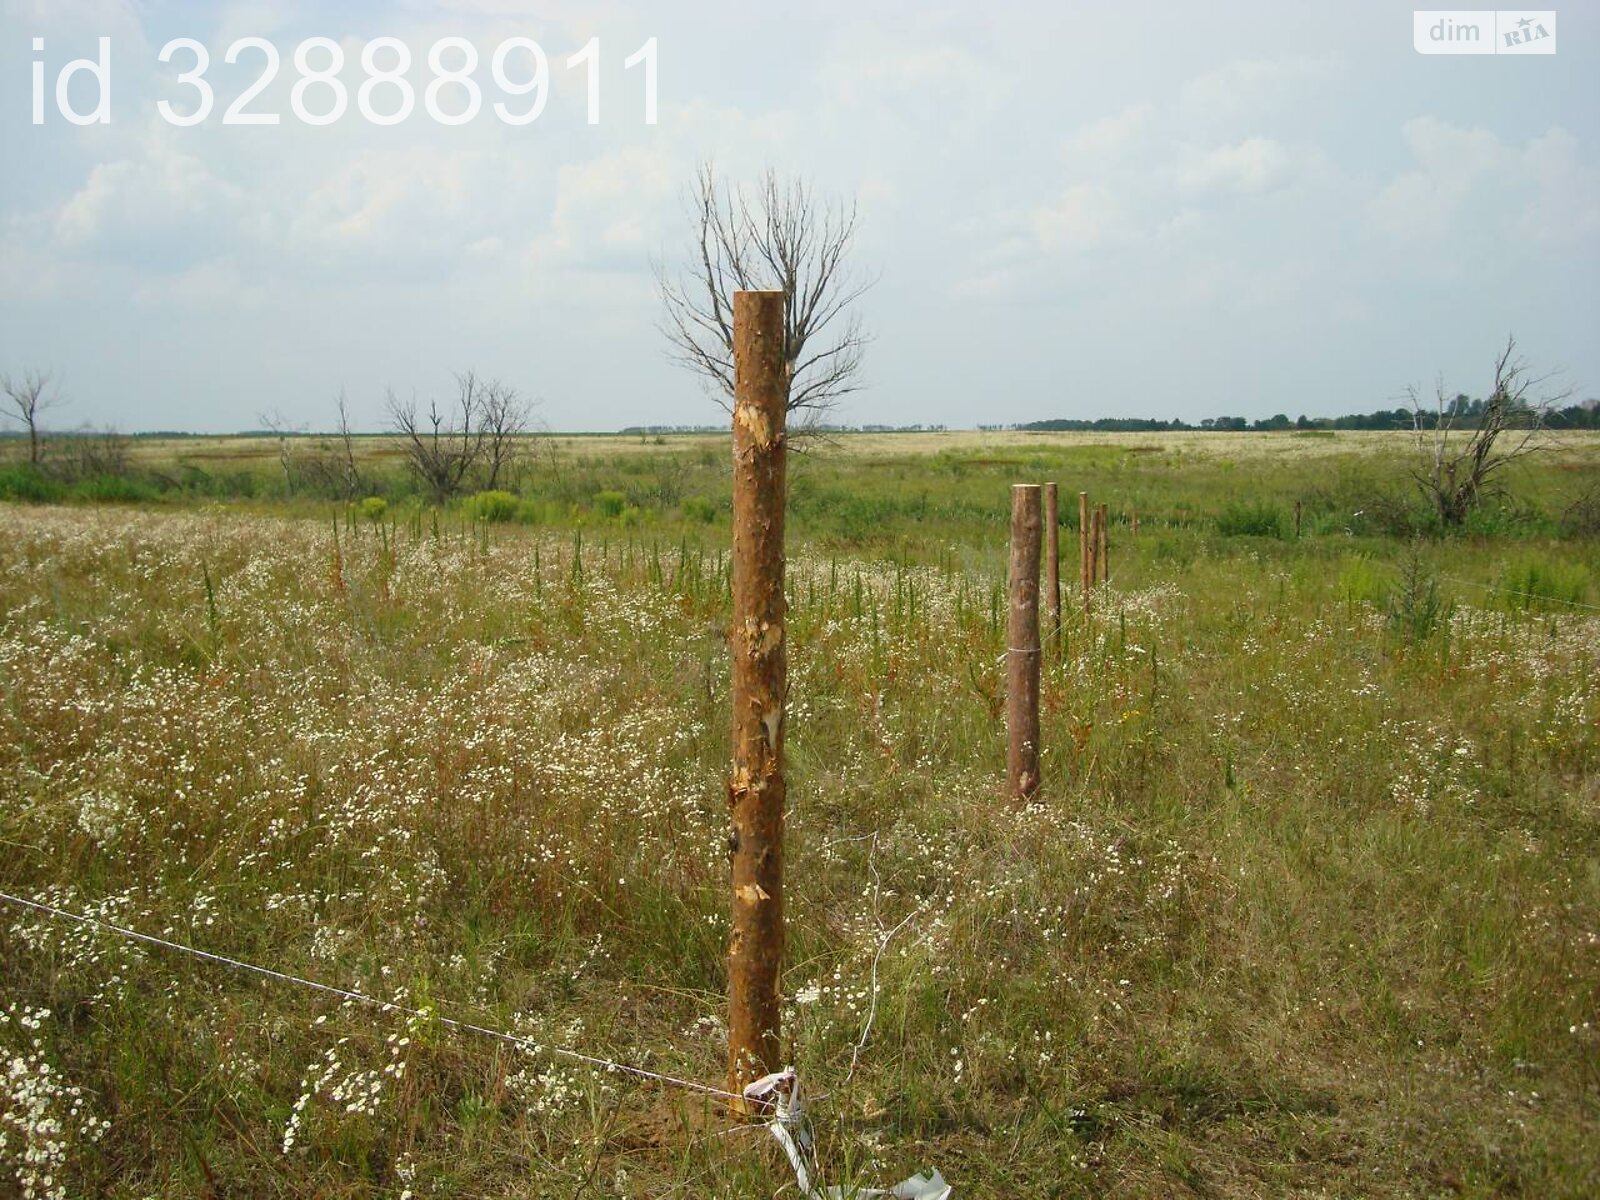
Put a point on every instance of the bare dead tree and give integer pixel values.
(1460, 457)
(506, 422)
(317, 464)
(351, 474)
(780, 238)
(283, 429)
(28, 397)
(443, 446)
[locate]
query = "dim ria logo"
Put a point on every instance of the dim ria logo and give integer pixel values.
(1483, 31)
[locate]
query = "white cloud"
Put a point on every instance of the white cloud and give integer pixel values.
(216, 284)
(610, 208)
(1085, 216)
(884, 82)
(107, 17)
(1471, 182)
(1247, 88)
(29, 268)
(1565, 206)
(1250, 167)
(158, 192)
(385, 199)
(249, 18)
(1110, 138)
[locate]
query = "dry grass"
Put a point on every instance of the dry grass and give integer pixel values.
(1308, 905)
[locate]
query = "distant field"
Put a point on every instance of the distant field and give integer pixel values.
(263, 451)
(899, 492)
(1308, 905)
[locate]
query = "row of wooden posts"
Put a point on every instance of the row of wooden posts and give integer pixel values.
(756, 789)
(1024, 645)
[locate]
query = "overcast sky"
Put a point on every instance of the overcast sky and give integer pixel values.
(1142, 209)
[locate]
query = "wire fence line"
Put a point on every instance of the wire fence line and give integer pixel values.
(511, 1039)
(1505, 591)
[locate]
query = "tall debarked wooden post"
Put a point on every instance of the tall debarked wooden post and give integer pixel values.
(756, 788)
(1085, 551)
(1022, 644)
(1102, 562)
(1052, 564)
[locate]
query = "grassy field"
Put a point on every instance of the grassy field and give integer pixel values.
(1308, 905)
(905, 494)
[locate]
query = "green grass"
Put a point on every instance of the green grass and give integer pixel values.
(1308, 904)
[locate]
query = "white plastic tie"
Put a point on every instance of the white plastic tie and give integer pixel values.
(789, 1127)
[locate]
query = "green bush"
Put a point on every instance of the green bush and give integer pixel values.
(114, 489)
(698, 508)
(1581, 518)
(1537, 584)
(493, 506)
(1507, 519)
(609, 503)
(1257, 519)
(374, 507)
(536, 512)
(1415, 608)
(1395, 514)
(25, 482)
(1360, 582)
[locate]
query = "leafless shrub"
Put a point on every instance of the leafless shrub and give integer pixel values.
(280, 427)
(98, 452)
(1459, 462)
(473, 442)
(350, 474)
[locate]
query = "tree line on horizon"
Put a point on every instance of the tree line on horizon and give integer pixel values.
(1463, 412)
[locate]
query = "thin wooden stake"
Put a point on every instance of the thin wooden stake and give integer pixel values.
(1094, 546)
(1085, 555)
(756, 787)
(1102, 519)
(1022, 644)
(1052, 564)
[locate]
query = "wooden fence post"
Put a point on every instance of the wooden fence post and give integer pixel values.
(1052, 563)
(1085, 551)
(1022, 644)
(1102, 563)
(1297, 520)
(756, 787)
